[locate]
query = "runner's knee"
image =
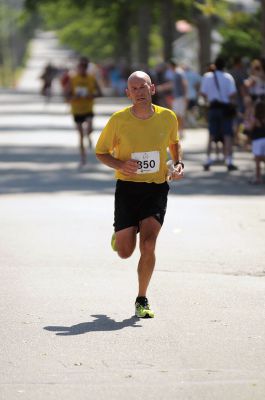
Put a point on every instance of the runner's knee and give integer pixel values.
(147, 245)
(125, 252)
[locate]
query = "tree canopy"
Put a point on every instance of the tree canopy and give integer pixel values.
(143, 30)
(242, 36)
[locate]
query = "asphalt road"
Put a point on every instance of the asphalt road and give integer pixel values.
(67, 301)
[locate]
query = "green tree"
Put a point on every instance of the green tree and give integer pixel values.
(15, 30)
(242, 36)
(99, 29)
(168, 29)
(208, 14)
(129, 30)
(144, 29)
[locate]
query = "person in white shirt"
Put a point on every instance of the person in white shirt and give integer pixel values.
(219, 89)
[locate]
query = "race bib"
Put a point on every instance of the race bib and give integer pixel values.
(148, 162)
(81, 91)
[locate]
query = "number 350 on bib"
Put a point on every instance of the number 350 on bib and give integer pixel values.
(148, 162)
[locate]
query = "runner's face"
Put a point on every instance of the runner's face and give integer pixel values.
(140, 90)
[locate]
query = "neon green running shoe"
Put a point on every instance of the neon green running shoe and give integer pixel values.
(113, 242)
(142, 308)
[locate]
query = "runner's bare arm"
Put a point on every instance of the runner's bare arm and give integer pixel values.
(176, 155)
(175, 152)
(68, 90)
(96, 93)
(98, 90)
(128, 167)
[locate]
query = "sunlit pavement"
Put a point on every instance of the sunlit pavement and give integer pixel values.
(68, 330)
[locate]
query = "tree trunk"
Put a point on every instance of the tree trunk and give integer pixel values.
(204, 26)
(123, 49)
(168, 28)
(144, 21)
(263, 27)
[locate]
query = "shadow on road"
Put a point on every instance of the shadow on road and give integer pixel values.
(52, 169)
(102, 323)
(33, 167)
(39, 169)
(54, 113)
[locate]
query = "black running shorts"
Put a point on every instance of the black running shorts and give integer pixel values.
(79, 119)
(135, 201)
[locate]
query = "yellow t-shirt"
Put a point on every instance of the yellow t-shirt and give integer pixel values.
(81, 87)
(128, 137)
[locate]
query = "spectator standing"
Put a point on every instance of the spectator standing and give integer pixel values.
(47, 78)
(180, 98)
(219, 89)
(239, 73)
(158, 78)
(175, 89)
(254, 85)
(257, 135)
(253, 90)
(193, 81)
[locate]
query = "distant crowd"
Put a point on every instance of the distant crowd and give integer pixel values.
(181, 88)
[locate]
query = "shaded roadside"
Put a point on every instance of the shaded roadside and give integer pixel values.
(47, 169)
(39, 153)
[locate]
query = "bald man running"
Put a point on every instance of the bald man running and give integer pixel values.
(135, 142)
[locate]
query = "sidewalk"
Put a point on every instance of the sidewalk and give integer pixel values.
(67, 301)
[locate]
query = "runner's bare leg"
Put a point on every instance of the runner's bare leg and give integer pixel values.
(81, 143)
(149, 230)
(126, 241)
(89, 131)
